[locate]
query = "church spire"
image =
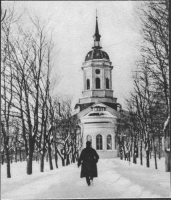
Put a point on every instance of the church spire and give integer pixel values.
(96, 35)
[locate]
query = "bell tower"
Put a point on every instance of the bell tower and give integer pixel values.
(97, 113)
(97, 76)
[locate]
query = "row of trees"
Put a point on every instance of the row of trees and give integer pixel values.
(32, 120)
(146, 124)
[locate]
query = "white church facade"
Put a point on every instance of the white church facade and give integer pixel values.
(97, 108)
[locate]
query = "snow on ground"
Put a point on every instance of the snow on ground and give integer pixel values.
(116, 179)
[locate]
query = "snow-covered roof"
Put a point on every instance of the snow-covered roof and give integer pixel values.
(98, 105)
(99, 114)
(98, 117)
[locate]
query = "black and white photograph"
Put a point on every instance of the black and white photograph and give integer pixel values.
(85, 100)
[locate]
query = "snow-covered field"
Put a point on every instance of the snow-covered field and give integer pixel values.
(116, 179)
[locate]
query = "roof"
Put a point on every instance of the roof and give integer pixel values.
(96, 54)
(97, 35)
(100, 114)
(95, 117)
(98, 104)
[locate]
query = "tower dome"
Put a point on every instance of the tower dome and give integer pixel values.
(96, 54)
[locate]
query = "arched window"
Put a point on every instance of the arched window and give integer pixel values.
(97, 83)
(99, 142)
(88, 84)
(109, 142)
(107, 83)
(89, 138)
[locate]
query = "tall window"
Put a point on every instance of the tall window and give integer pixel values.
(109, 142)
(107, 83)
(97, 83)
(99, 142)
(88, 84)
(89, 138)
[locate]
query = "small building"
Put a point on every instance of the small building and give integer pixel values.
(97, 108)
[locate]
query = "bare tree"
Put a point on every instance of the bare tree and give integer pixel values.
(3, 15)
(29, 60)
(154, 17)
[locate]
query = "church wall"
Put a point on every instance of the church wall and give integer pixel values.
(98, 93)
(103, 129)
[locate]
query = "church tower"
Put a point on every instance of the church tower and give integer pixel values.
(97, 113)
(97, 76)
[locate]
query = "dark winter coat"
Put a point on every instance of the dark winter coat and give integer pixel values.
(88, 159)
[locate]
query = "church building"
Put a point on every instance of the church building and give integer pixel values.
(97, 108)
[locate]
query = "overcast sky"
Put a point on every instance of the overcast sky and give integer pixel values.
(74, 26)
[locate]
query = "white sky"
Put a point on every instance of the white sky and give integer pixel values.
(74, 26)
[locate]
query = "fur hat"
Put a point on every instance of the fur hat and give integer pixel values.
(88, 144)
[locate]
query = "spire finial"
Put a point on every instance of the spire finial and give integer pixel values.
(96, 13)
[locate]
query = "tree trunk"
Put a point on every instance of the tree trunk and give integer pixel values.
(56, 159)
(77, 156)
(141, 157)
(167, 153)
(15, 154)
(50, 158)
(73, 158)
(63, 161)
(11, 155)
(129, 157)
(131, 149)
(167, 162)
(134, 159)
(62, 158)
(42, 156)
(8, 163)
(155, 159)
(124, 153)
(121, 153)
(2, 158)
(20, 155)
(67, 160)
(159, 148)
(73, 154)
(29, 162)
(134, 156)
(137, 151)
(147, 158)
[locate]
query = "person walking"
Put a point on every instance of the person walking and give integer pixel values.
(88, 160)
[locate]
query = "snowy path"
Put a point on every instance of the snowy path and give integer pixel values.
(116, 179)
